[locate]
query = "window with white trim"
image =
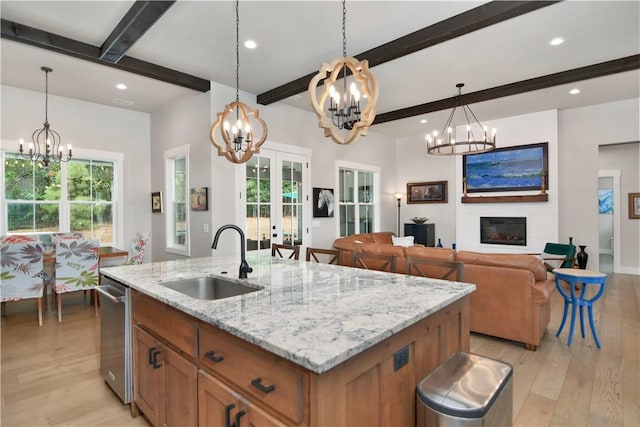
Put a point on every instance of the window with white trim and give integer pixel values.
(80, 195)
(358, 211)
(177, 202)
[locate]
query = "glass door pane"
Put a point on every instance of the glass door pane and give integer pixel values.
(258, 199)
(291, 186)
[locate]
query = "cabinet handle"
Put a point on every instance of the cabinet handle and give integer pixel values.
(153, 358)
(258, 384)
(227, 416)
(211, 356)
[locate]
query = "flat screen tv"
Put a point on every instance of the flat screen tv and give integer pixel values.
(516, 168)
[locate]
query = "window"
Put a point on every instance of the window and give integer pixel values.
(357, 198)
(80, 195)
(177, 189)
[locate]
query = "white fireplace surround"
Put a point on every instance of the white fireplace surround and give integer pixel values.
(541, 217)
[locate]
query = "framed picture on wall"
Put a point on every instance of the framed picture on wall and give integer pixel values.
(427, 192)
(634, 205)
(323, 202)
(200, 199)
(156, 202)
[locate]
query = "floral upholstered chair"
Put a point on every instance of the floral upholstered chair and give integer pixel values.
(21, 273)
(137, 248)
(17, 238)
(77, 263)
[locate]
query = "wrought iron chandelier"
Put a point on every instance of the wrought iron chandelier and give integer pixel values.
(238, 139)
(45, 146)
(343, 119)
(445, 143)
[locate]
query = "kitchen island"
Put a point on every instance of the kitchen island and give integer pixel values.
(316, 345)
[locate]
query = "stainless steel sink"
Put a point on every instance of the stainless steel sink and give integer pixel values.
(210, 288)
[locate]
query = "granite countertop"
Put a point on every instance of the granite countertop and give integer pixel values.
(314, 315)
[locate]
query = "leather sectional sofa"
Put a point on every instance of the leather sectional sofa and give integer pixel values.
(513, 291)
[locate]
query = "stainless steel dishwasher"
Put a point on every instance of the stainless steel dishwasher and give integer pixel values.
(115, 339)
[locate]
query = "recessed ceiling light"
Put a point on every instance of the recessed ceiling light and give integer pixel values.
(574, 91)
(423, 121)
(250, 44)
(556, 41)
(121, 86)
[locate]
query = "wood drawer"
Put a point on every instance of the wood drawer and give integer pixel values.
(249, 367)
(166, 322)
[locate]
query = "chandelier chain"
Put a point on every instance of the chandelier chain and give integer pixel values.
(46, 97)
(237, 50)
(344, 28)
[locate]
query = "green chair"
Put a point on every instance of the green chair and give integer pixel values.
(558, 252)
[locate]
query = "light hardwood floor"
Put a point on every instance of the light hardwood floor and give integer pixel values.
(50, 374)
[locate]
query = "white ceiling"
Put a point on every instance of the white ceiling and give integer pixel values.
(294, 37)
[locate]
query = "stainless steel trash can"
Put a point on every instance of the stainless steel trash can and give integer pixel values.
(466, 390)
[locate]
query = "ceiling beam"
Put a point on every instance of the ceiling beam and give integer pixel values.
(601, 69)
(53, 42)
(464, 23)
(140, 17)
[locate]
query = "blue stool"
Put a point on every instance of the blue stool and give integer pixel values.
(586, 277)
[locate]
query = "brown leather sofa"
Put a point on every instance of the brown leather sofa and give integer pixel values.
(513, 291)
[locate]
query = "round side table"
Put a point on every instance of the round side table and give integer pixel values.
(574, 276)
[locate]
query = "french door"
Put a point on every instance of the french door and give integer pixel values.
(276, 200)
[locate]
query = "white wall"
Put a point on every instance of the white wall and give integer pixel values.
(180, 123)
(581, 132)
(90, 126)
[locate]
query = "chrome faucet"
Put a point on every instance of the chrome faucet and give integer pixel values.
(244, 267)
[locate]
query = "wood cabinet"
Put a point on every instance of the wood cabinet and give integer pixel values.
(220, 406)
(187, 372)
(165, 383)
(423, 234)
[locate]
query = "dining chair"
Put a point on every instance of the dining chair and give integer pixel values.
(380, 262)
(77, 265)
(57, 237)
(435, 268)
(17, 238)
(137, 248)
(21, 275)
(276, 250)
(333, 255)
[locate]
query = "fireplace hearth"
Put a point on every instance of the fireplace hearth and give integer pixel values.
(503, 230)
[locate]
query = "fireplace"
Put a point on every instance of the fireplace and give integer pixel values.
(503, 230)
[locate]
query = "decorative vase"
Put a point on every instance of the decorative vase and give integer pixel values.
(439, 245)
(571, 240)
(582, 257)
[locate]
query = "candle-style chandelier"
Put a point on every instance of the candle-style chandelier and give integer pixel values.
(478, 140)
(238, 139)
(343, 119)
(45, 146)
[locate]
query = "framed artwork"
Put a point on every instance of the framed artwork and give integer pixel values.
(323, 202)
(156, 202)
(200, 199)
(524, 167)
(634, 205)
(427, 192)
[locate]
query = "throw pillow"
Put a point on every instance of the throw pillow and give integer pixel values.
(402, 241)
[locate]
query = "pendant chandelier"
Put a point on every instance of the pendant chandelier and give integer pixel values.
(238, 139)
(45, 146)
(477, 140)
(343, 119)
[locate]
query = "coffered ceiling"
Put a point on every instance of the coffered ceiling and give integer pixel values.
(503, 56)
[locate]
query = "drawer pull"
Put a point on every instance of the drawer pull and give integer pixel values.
(211, 356)
(258, 384)
(227, 413)
(153, 357)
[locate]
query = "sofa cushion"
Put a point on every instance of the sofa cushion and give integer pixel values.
(398, 251)
(522, 261)
(445, 254)
(382, 237)
(402, 241)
